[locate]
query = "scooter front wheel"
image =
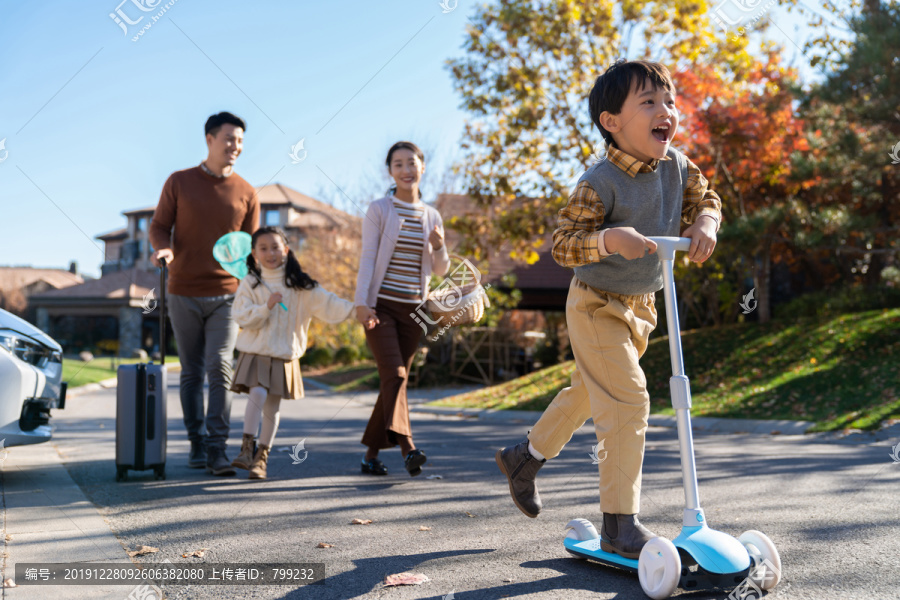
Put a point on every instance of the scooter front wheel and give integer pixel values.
(767, 563)
(659, 568)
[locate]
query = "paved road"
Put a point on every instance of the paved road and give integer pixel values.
(832, 508)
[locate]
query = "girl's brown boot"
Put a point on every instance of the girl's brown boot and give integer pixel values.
(258, 468)
(244, 459)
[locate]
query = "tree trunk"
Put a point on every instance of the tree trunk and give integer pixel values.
(761, 283)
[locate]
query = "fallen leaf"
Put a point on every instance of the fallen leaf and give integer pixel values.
(141, 550)
(434, 477)
(361, 522)
(470, 514)
(405, 579)
(9, 583)
(424, 528)
(324, 545)
(196, 553)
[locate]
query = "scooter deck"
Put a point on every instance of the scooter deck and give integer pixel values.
(590, 549)
(692, 579)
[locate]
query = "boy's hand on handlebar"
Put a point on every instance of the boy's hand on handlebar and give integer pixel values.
(628, 243)
(703, 238)
(274, 299)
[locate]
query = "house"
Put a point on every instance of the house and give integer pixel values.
(115, 313)
(544, 284)
(18, 284)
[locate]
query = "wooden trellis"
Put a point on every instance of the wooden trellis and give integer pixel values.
(493, 352)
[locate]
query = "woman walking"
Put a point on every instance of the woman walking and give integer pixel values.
(402, 245)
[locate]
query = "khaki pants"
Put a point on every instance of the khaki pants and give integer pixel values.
(609, 334)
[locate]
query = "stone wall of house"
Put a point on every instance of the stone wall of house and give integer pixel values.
(130, 324)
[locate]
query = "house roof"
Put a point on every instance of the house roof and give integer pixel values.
(544, 274)
(112, 236)
(128, 284)
(278, 194)
(13, 278)
(138, 211)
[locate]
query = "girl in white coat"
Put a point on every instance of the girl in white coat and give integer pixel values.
(274, 305)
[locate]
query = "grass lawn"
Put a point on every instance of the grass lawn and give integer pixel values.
(360, 376)
(840, 371)
(79, 373)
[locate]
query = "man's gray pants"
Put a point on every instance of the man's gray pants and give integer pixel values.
(206, 335)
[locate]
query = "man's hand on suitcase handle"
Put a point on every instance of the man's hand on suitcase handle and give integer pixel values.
(164, 254)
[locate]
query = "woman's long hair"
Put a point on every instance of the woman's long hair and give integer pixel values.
(403, 146)
(294, 275)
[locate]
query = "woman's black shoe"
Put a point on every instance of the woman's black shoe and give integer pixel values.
(414, 462)
(373, 466)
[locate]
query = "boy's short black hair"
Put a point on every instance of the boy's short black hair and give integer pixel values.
(215, 122)
(612, 88)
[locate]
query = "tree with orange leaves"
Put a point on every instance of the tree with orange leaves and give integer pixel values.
(744, 134)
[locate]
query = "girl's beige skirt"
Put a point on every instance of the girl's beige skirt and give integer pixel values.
(278, 376)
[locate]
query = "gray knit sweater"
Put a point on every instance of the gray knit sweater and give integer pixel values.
(649, 202)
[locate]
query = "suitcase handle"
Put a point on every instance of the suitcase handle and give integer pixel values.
(162, 312)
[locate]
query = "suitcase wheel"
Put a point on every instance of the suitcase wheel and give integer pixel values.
(121, 473)
(160, 472)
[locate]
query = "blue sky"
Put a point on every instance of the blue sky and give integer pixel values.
(94, 122)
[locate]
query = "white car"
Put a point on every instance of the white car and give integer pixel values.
(30, 382)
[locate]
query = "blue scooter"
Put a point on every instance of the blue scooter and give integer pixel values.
(700, 557)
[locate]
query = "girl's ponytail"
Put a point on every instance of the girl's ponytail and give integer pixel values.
(295, 276)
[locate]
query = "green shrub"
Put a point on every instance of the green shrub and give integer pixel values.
(838, 301)
(546, 352)
(347, 355)
(318, 356)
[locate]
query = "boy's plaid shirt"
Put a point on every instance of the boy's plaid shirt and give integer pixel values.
(575, 239)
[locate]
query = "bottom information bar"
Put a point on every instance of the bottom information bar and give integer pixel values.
(169, 573)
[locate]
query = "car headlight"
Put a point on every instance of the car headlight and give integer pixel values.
(25, 350)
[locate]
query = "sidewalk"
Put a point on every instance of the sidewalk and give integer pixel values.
(47, 518)
(706, 424)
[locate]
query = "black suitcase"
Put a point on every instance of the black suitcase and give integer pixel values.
(141, 408)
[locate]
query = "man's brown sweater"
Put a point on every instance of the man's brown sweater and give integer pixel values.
(196, 209)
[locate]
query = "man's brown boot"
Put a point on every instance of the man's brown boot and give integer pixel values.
(520, 468)
(623, 535)
(258, 468)
(243, 460)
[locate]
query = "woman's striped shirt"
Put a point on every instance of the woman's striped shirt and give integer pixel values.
(403, 279)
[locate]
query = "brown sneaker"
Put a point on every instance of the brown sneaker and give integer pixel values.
(623, 535)
(248, 447)
(258, 468)
(520, 468)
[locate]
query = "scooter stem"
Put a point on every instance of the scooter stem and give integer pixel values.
(678, 383)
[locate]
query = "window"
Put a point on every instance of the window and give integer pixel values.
(272, 218)
(142, 224)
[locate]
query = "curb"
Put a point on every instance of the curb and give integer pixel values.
(91, 387)
(104, 385)
(705, 424)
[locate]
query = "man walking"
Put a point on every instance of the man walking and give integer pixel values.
(197, 207)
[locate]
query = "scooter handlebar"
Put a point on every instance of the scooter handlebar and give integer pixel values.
(667, 246)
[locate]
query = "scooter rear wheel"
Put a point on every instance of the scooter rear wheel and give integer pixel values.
(659, 568)
(581, 530)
